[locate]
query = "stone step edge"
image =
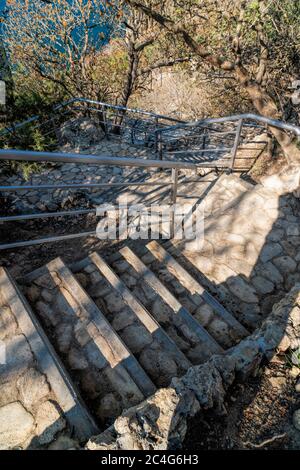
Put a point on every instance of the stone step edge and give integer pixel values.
(152, 280)
(137, 308)
(50, 364)
(117, 348)
(194, 286)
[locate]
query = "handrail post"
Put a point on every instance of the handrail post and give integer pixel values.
(236, 143)
(156, 136)
(160, 145)
(203, 143)
(173, 200)
(105, 121)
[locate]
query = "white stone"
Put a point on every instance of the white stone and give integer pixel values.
(16, 425)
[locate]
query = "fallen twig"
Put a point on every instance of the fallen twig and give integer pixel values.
(267, 441)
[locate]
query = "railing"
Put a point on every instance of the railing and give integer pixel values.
(208, 143)
(19, 155)
(137, 125)
(216, 142)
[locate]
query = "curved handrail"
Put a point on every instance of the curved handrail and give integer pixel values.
(237, 117)
(88, 101)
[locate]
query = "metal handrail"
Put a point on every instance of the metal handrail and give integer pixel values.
(60, 157)
(236, 117)
(64, 104)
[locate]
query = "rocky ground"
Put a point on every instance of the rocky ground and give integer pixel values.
(262, 413)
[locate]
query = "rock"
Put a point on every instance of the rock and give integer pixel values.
(297, 387)
(262, 285)
(114, 302)
(47, 313)
(64, 335)
(8, 324)
(161, 311)
(81, 334)
(16, 425)
(137, 337)
(294, 372)
(45, 281)
(130, 281)
(109, 408)
(46, 295)
(242, 289)
(269, 271)
(204, 314)
(270, 251)
(8, 393)
(219, 330)
(99, 290)
(49, 422)
(76, 360)
(122, 319)
(32, 387)
(33, 293)
(277, 382)
(285, 264)
(82, 279)
(296, 419)
(94, 355)
(18, 359)
(158, 365)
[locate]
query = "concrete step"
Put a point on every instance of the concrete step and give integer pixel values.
(209, 312)
(177, 321)
(154, 349)
(108, 375)
(34, 384)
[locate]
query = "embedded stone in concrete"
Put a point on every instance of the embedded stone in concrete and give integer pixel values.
(262, 285)
(33, 387)
(8, 324)
(137, 336)
(242, 289)
(16, 425)
(285, 264)
(269, 251)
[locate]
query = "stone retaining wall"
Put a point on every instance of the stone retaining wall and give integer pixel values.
(160, 422)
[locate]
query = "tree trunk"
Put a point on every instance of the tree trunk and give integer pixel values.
(266, 106)
(128, 86)
(6, 111)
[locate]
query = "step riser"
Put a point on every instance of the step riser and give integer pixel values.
(142, 333)
(47, 360)
(193, 286)
(90, 348)
(175, 315)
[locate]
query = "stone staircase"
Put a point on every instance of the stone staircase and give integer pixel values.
(111, 329)
(90, 340)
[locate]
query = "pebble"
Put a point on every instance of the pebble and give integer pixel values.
(297, 388)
